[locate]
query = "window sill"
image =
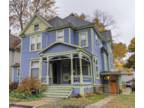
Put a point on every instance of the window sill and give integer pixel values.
(35, 50)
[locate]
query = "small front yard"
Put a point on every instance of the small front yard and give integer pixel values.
(75, 102)
(122, 101)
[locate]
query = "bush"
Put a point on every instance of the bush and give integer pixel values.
(13, 86)
(74, 106)
(30, 86)
(23, 96)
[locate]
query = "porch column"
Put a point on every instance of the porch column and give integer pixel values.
(91, 71)
(81, 74)
(47, 75)
(40, 67)
(72, 79)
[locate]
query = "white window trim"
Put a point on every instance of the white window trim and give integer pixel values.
(38, 27)
(36, 39)
(30, 68)
(57, 40)
(80, 39)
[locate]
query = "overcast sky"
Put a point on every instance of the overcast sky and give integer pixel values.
(121, 10)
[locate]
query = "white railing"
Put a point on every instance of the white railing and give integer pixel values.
(86, 79)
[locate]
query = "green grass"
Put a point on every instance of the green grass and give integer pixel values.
(83, 101)
(122, 101)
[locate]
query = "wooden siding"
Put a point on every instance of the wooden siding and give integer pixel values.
(42, 26)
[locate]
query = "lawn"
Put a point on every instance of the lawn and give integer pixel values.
(75, 102)
(122, 101)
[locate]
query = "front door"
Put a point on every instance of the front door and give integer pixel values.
(66, 79)
(114, 87)
(54, 73)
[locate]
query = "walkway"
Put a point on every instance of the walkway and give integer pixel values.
(100, 103)
(32, 104)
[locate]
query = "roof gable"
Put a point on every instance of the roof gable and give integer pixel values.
(59, 47)
(57, 21)
(36, 19)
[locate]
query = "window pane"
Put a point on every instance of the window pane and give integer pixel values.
(60, 35)
(32, 46)
(35, 64)
(36, 27)
(83, 43)
(83, 37)
(39, 39)
(38, 42)
(33, 40)
(38, 46)
(35, 72)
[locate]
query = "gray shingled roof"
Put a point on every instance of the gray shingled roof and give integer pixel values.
(69, 20)
(57, 21)
(75, 21)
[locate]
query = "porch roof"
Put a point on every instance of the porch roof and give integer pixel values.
(61, 43)
(104, 73)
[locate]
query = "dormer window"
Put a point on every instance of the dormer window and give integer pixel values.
(36, 27)
(84, 39)
(60, 35)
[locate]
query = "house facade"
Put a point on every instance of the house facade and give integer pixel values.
(14, 58)
(67, 52)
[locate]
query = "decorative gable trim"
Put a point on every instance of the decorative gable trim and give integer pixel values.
(31, 20)
(59, 43)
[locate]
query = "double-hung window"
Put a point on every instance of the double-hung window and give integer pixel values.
(38, 42)
(35, 42)
(84, 39)
(60, 35)
(35, 68)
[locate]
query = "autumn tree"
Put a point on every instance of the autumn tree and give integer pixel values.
(131, 60)
(20, 11)
(103, 20)
(119, 52)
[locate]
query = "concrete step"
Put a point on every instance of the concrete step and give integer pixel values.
(58, 91)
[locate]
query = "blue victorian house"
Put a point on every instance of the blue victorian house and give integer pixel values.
(68, 55)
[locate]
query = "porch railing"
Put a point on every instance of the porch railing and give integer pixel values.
(86, 79)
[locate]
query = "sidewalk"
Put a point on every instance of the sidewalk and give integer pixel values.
(100, 103)
(32, 104)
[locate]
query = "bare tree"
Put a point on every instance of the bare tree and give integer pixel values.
(103, 20)
(22, 10)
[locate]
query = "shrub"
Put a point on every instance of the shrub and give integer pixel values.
(30, 86)
(74, 106)
(13, 86)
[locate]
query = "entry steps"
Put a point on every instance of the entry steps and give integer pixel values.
(58, 91)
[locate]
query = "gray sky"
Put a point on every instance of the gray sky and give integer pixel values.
(121, 10)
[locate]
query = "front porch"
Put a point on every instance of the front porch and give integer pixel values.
(66, 69)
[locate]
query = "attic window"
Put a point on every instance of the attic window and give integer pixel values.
(36, 27)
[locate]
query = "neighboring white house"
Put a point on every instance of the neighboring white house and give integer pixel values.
(14, 57)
